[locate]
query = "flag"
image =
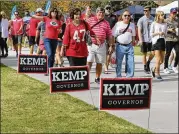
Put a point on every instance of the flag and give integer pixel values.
(12, 13)
(47, 8)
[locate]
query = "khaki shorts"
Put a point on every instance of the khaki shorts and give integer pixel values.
(97, 52)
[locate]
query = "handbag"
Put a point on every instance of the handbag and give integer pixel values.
(87, 34)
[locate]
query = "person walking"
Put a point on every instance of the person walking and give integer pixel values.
(52, 29)
(158, 33)
(5, 33)
(172, 41)
(97, 50)
(74, 42)
(17, 31)
(58, 58)
(112, 19)
(124, 33)
(32, 32)
(144, 25)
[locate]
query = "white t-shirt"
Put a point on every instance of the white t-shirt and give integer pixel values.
(4, 25)
(156, 28)
(125, 38)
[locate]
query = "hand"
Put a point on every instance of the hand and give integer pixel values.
(98, 41)
(161, 33)
(59, 39)
(140, 43)
(111, 50)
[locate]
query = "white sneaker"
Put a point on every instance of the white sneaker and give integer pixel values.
(166, 71)
(175, 69)
(170, 67)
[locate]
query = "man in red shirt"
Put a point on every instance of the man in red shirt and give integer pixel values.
(98, 51)
(32, 30)
(17, 31)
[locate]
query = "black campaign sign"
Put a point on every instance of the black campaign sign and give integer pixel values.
(69, 79)
(32, 64)
(125, 93)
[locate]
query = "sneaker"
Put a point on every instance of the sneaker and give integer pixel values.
(175, 70)
(159, 78)
(153, 72)
(170, 67)
(146, 71)
(97, 80)
(166, 71)
(46, 74)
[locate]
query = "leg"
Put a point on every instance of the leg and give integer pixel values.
(120, 52)
(6, 48)
(176, 47)
(158, 60)
(54, 47)
(171, 58)
(47, 44)
(71, 60)
(91, 55)
(169, 47)
(20, 43)
(144, 52)
(130, 61)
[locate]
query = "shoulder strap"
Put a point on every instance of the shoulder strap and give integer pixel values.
(97, 23)
(126, 28)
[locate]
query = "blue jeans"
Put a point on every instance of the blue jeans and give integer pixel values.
(50, 47)
(128, 51)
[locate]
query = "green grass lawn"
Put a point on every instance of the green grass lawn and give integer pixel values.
(28, 107)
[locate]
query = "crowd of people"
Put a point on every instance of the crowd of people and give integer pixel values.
(85, 38)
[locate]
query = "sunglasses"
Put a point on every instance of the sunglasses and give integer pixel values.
(108, 8)
(146, 10)
(162, 14)
(16, 14)
(127, 15)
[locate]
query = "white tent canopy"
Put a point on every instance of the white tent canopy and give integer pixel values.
(166, 9)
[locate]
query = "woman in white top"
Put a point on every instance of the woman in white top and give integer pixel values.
(5, 33)
(124, 32)
(158, 32)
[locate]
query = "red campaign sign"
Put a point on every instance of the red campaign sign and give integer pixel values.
(32, 64)
(125, 93)
(66, 79)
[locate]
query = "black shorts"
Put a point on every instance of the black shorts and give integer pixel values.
(32, 40)
(17, 39)
(77, 61)
(159, 45)
(146, 47)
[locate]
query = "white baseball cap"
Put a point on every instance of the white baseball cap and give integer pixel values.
(39, 10)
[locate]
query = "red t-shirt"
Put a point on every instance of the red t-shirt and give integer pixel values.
(52, 28)
(17, 23)
(32, 26)
(74, 39)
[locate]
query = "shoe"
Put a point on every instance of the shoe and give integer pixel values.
(5, 55)
(159, 78)
(170, 67)
(153, 72)
(60, 65)
(166, 71)
(97, 80)
(146, 70)
(175, 70)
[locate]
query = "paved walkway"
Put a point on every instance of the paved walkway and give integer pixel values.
(164, 101)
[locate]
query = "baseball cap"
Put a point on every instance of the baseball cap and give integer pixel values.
(173, 10)
(39, 10)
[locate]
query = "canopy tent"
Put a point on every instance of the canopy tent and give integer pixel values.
(166, 9)
(137, 9)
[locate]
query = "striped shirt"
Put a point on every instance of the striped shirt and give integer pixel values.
(101, 30)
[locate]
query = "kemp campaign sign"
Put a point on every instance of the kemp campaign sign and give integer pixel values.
(69, 79)
(125, 93)
(32, 64)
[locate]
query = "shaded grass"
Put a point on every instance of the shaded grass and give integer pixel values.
(28, 107)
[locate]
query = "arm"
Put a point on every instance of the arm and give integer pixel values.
(139, 25)
(38, 17)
